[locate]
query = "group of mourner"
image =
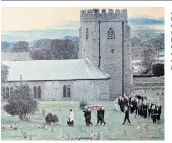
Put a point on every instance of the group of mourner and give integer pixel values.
(137, 105)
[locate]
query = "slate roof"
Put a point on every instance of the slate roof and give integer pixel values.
(39, 70)
(15, 56)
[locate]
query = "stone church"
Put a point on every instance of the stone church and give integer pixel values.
(102, 72)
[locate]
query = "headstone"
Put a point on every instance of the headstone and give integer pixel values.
(46, 127)
(60, 132)
(24, 135)
(140, 135)
(68, 136)
(125, 133)
(43, 112)
(52, 127)
(21, 129)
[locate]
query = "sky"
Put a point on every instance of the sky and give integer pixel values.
(20, 23)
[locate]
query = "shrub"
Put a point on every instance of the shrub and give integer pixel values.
(51, 118)
(158, 69)
(82, 104)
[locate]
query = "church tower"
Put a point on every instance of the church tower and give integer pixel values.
(105, 41)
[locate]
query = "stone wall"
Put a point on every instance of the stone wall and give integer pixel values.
(110, 50)
(80, 89)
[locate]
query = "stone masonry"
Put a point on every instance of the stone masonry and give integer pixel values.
(106, 52)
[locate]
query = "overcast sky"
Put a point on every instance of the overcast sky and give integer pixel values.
(30, 18)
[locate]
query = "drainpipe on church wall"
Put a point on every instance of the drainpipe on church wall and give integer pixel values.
(122, 58)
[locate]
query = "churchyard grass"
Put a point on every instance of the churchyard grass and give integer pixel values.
(113, 130)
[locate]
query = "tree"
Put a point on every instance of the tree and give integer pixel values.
(21, 102)
(21, 46)
(4, 73)
(135, 41)
(148, 57)
(5, 46)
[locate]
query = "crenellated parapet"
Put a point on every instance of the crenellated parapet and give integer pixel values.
(103, 15)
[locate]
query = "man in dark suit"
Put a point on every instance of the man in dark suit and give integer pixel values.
(126, 115)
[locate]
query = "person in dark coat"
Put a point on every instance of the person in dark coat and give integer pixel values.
(154, 114)
(102, 114)
(158, 112)
(98, 116)
(149, 109)
(145, 108)
(122, 105)
(87, 115)
(126, 115)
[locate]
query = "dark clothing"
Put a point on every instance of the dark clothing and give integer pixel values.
(159, 113)
(126, 117)
(70, 123)
(100, 116)
(144, 111)
(154, 115)
(122, 106)
(87, 115)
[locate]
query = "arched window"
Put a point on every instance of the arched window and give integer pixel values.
(39, 92)
(34, 90)
(11, 90)
(64, 91)
(86, 33)
(3, 92)
(111, 33)
(7, 93)
(68, 91)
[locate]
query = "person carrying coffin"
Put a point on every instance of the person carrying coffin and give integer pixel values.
(87, 115)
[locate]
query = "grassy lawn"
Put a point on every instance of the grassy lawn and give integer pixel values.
(113, 130)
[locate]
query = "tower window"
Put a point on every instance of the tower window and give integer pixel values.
(112, 51)
(86, 33)
(111, 33)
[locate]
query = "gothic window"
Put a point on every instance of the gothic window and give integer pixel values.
(64, 91)
(112, 51)
(7, 93)
(68, 91)
(34, 90)
(111, 33)
(11, 90)
(86, 33)
(3, 92)
(39, 92)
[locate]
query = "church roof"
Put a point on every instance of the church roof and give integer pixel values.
(15, 56)
(46, 70)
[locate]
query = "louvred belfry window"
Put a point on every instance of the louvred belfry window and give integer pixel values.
(111, 33)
